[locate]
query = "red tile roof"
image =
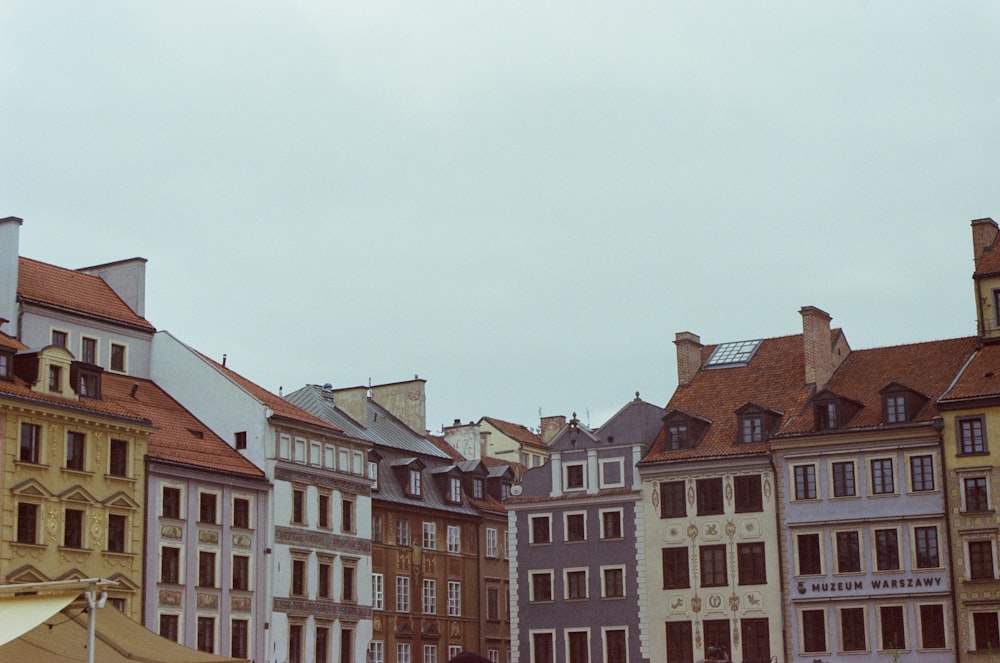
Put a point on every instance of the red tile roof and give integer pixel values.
(11, 343)
(67, 289)
(20, 390)
(981, 378)
(179, 437)
(439, 442)
(988, 264)
(516, 432)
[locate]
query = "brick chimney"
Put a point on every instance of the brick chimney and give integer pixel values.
(10, 230)
(816, 338)
(984, 235)
(688, 356)
(551, 426)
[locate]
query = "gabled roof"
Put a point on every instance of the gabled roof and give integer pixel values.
(637, 422)
(179, 437)
(320, 402)
(925, 368)
(774, 378)
(516, 432)
(979, 379)
(85, 294)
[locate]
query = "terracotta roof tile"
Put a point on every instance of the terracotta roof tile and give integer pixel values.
(981, 378)
(75, 291)
(989, 263)
(438, 441)
(516, 432)
(179, 437)
(20, 390)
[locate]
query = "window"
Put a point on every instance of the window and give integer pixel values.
(848, 552)
(376, 651)
(402, 593)
(679, 646)
(322, 644)
(576, 584)
(748, 493)
(403, 652)
(611, 524)
(324, 584)
(454, 539)
(88, 350)
(27, 522)
(751, 429)
(893, 627)
(882, 479)
(493, 655)
(492, 549)
(430, 536)
(206, 568)
(678, 437)
(296, 643)
(987, 634)
(573, 476)
(55, 378)
(975, 494)
(810, 558)
(298, 587)
(413, 488)
(921, 473)
(378, 592)
(241, 513)
(578, 647)
(541, 530)
(430, 653)
(60, 338)
(117, 532)
(171, 502)
(843, 479)
(576, 526)
(492, 604)
(752, 563)
(377, 529)
(402, 532)
(299, 506)
(455, 490)
(615, 645)
(926, 545)
(241, 572)
(88, 384)
(717, 637)
(971, 435)
(240, 440)
(117, 357)
(373, 474)
(454, 599)
(169, 627)
(813, 631)
(805, 482)
(675, 568)
(825, 415)
(118, 458)
(713, 565)
(429, 596)
(932, 634)
(853, 629)
(541, 586)
(73, 528)
(75, 449)
(208, 508)
(756, 640)
(981, 560)
(477, 489)
(6, 363)
(672, 504)
(895, 409)
(543, 648)
(347, 516)
(886, 550)
(31, 444)
(170, 565)
(613, 582)
(709, 493)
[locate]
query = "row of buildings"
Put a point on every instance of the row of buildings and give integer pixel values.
(794, 500)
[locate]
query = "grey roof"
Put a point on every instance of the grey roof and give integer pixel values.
(317, 402)
(637, 422)
(391, 490)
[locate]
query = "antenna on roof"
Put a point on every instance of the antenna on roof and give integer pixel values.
(223, 360)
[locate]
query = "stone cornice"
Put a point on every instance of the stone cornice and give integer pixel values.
(360, 486)
(323, 609)
(295, 536)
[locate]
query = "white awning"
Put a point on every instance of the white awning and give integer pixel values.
(20, 614)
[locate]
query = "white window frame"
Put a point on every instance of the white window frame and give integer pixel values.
(913, 546)
(430, 653)
(125, 357)
(428, 596)
(907, 635)
(357, 462)
(491, 542)
(604, 641)
(566, 517)
(378, 591)
(871, 476)
(330, 456)
(531, 585)
(935, 472)
(567, 632)
(621, 523)
(586, 583)
(830, 479)
(300, 446)
(285, 446)
(604, 462)
(604, 586)
(826, 630)
(531, 528)
(565, 476)
(455, 539)
(454, 598)
(428, 538)
(794, 485)
(531, 642)
(403, 652)
(315, 453)
(403, 594)
(376, 651)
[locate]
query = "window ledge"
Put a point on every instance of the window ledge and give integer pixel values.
(117, 553)
(70, 470)
(115, 477)
(37, 546)
(27, 463)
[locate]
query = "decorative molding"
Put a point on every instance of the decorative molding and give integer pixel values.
(170, 598)
(323, 609)
(321, 477)
(208, 601)
(303, 537)
(208, 536)
(171, 532)
(241, 604)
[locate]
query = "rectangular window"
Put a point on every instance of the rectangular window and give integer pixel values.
(55, 378)
(377, 529)
(751, 429)
(323, 520)
(926, 545)
(709, 492)
(713, 565)
(805, 482)
(454, 599)
(895, 409)
(809, 554)
(478, 490)
(31, 444)
(376, 651)
(675, 568)
(117, 532)
(88, 350)
(429, 596)
(240, 440)
(378, 592)
(752, 563)
(206, 634)
(73, 528)
(403, 653)
(541, 586)
(208, 508)
(298, 587)
(170, 565)
(921, 473)
(848, 552)
(543, 648)
(430, 536)
(171, 502)
(430, 653)
(971, 435)
(813, 631)
(324, 586)
(541, 530)
(117, 357)
(756, 639)
(981, 560)
(322, 654)
(493, 604)
(577, 647)
(347, 517)
(680, 648)
(454, 539)
(843, 479)
(612, 473)
(75, 450)
(882, 477)
(241, 513)
(492, 547)
(206, 568)
(853, 629)
(413, 487)
(717, 637)
(749, 498)
(932, 633)
(615, 645)
(118, 458)
(402, 593)
(611, 524)
(672, 500)
(60, 338)
(169, 626)
(27, 522)
(574, 477)
(576, 526)
(455, 490)
(296, 643)
(299, 506)
(613, 582)
(241, 572)
(576, 584)
(987, 634)
(402, 532)
(893, 627)
(975, 494)
(887, 550)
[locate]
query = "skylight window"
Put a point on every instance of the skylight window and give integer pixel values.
(737, 353)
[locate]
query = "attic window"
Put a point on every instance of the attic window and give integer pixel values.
(455, 490)
(197, 433)
(737, 353)
(477, 488)
(751, 429)
(413, 487)
(895, 408)
(6, 365)
(678, 436)
(826, 416)
(900, 403)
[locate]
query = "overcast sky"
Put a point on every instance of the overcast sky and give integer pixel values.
(522, 202)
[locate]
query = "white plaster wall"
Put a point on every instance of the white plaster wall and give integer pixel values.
(10, 231)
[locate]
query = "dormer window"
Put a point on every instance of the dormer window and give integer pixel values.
(373, 474)
(831, 411)
(895, 409)
(6, 365)
(751, 429)
(413, 488)
(86, 379)
(755, 424)
(682, 430)
(900, 404)
(477, 488)
(826, 416)
(455, 490)
(55, 378)
(677, 436)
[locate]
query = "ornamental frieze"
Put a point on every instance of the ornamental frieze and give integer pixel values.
(323, 609)
(171, 532)
(240, 603)
(170, 598)
(242, 541)
(207, 601)
(312, 539)
(323, 478)
(208, 536)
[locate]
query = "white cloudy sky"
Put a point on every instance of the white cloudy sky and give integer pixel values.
(521, 202)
